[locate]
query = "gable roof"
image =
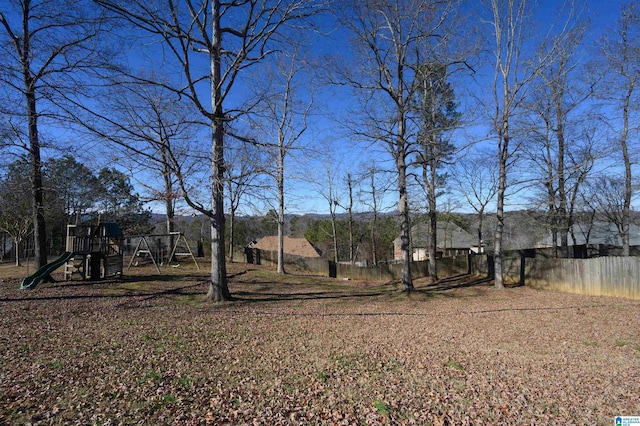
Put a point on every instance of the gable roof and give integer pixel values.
(599, 233)
(448, 235)
(294, 246)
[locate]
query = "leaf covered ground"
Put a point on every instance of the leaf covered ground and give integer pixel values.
(293, 350)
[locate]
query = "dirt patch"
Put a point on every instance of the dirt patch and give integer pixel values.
(148, 349)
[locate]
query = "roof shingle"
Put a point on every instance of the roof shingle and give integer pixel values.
(294, 246)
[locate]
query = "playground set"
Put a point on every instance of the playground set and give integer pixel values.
(95, 252)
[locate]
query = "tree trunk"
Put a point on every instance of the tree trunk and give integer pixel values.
(352, 258)
(562, 219)
(503, 152)
(433, 244)
(39, 227)
(168, 202)
(171, 239)
(25, 51)
(497, 246)
(335, 235)
(218, 288)
(628, 189)
(232, 218)
(280, 180)
(403, 204)
(280, 268)
(553, 217)
(16, 244)
(480, 220)
(429, 178)
(374, 255)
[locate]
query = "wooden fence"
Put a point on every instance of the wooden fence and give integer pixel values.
(383, 273)
(600, 276)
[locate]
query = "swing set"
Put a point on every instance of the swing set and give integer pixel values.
(180, 248)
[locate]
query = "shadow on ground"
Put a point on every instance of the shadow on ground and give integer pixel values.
(131, 288)
(255, 292)
(247, 285)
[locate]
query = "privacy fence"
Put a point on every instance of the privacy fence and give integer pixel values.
(600, 276)
(383, 273)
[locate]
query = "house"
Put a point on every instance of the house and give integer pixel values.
(293, 246)
(451, 241)
(598, 232)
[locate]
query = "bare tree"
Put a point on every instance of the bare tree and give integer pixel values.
(244, 166)
(513, 74)
(371, 194)
(581, 164)
(6, 141)
(154, 129)
(506, 23)
(374, 210)
(229, 37)
(15, 205)
(350, 223)
(447, 216)
(44, 47)
(389, 34)
(560, 90)
(606, 197)
(621, 54)
(283, 119)
(476, 178)
(331, 197)
(349, 208)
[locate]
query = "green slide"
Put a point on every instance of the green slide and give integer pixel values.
(32, 281)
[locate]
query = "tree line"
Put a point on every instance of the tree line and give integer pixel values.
(490, 102)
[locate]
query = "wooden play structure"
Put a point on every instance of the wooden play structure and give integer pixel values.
(97, 251)
(93, 252)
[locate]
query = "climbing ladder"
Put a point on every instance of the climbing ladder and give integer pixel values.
(78, 264)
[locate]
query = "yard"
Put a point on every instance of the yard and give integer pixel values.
(306, 350)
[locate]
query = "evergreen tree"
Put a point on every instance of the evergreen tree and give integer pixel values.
(436, 116)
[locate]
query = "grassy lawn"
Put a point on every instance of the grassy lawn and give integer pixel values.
(293, 349)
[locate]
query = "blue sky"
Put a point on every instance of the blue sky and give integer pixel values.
(343, 152)
(346, 154)
(350, 156)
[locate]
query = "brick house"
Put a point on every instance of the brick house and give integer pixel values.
(451, 241)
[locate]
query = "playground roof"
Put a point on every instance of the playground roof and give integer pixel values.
(111, 229)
